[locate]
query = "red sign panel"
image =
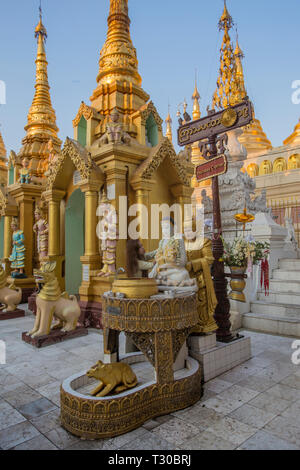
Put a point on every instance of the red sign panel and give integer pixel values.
(214, 167)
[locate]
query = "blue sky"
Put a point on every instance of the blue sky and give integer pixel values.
(172, 37)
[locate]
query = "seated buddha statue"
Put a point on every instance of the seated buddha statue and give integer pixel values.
(170, 260)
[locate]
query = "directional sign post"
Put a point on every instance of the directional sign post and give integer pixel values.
(210, 129)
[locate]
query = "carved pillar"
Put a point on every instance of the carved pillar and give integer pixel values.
(182, 195)
(53, 198)
(91, 245)
(142, 189)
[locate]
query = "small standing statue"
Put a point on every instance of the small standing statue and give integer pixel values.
(200, 259)
(41, 229)
(25, 176)
(114, 131)
(109, 236)
(17, 257)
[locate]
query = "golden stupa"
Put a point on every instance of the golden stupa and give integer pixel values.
(294, 138)
(3, 162)
(41, 121)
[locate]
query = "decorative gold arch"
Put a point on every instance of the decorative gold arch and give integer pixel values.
(148, 109)
(253, 170)
(279, 165)
(84, 110)
(164, 150)
(294, 162)
(79, 156)
(265, 168)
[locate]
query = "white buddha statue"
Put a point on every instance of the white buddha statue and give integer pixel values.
(170, 261)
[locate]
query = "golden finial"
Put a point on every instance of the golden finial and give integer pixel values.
(41, 123)
(168, 121)
(196, 105)
(238, 83)
(118, 59)
(2, 147)
(222, 96)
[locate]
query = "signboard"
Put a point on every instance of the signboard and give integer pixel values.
(216, 123)
(214, 167)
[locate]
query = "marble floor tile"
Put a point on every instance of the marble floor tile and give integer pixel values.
(217, 385)
(285, 392)
(61, 438)
(17, 434)
(285, 428)
(201, 417)
(9, 416)
(263, 440)
(36, 408)
(293, 411)
(176, 431)
(252, 416)
(149, 441)
(47, 422)
(222, 405)
(37, 443)
(260, 384)
(235, 431)
(21, 395)
(242, 394)
(207, 441)
(292, 381)
(268, 402)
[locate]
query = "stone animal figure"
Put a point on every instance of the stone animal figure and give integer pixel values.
(50, 302)
(115, 378)
(10, 296)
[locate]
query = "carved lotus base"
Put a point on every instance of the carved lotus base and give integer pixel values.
(97, 418)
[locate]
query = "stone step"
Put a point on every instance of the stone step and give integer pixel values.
(290, 264)
(275, 309)
(272, 324)
(285, 274)
(281, 298)
(288, 285)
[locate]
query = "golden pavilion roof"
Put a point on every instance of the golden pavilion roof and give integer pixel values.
(294, 138)
(41, 121)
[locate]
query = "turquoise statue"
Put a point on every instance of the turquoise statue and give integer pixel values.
(17, 257)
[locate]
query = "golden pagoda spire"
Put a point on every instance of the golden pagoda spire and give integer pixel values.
(294, 138)
(223, 95)
(238, 88)
(168, 121)
(2, 148)
(196, 105)
(41, 123)
(118, 59)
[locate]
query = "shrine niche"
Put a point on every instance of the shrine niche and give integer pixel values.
(294, 162)
(253, 170)
(265, 168)
(279, 165)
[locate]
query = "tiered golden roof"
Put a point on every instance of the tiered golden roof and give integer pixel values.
(294, 138)
(41, 122)
(2, 147)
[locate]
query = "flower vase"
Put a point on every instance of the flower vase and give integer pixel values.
(238, 283)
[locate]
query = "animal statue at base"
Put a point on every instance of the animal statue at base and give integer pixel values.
(10, 296)
(51, 302)
(116, 378)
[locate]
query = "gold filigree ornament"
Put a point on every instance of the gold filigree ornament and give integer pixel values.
(229, 117)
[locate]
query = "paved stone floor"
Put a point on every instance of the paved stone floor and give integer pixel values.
(254, 406)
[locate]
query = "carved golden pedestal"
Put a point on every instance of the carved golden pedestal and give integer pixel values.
(158, 327)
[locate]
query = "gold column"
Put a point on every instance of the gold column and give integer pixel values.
(91, 245)
(53, 198)
(7, 236)
(142, 189)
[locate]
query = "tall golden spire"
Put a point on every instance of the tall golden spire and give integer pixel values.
(196, 104)
(238, 88)
(2, 148)
(41, 122)
(168, 121)
(118, 59)
(222, 97)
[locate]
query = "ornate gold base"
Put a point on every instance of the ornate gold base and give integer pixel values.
(238, 296)
(96, 418)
